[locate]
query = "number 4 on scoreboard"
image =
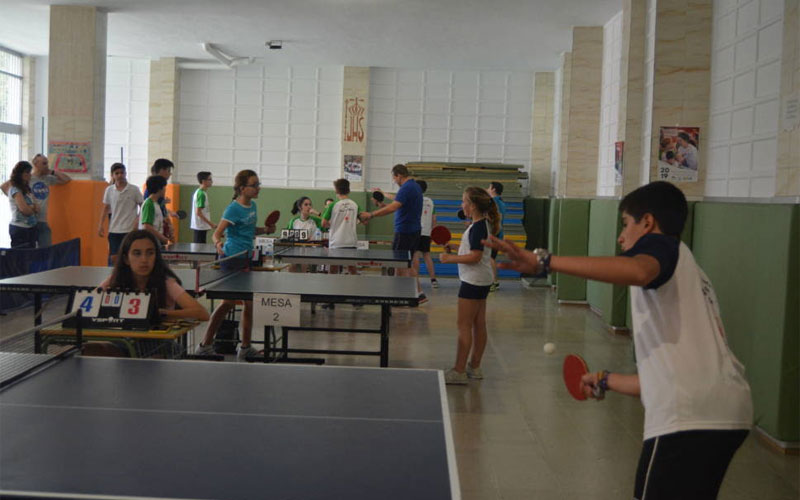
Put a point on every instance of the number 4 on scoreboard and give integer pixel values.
(88, 301)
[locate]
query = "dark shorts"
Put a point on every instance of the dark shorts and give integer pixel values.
(474, 292)
(199, 235)
(114, 242)
(424, 244)
(687, 464)
(406, 241)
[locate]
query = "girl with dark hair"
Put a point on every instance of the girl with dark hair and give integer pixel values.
(238, 228)
(22, 227)
(141, 267)
(305, 219)
(475, 272)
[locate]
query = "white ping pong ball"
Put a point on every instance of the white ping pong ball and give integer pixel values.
(549, 348)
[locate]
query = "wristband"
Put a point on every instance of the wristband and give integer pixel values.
(602, 379)
(543, 258)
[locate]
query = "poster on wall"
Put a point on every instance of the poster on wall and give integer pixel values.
(71, 157)
(354, 113)
(618, 149)
(677, 154)
(354, 168)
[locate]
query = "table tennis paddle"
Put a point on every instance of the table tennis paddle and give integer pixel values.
(378, 196)
(181, 214)
(272, 218)
(441, 236)
(573, 370)
(462, 215)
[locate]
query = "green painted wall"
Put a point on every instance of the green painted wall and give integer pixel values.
(611, 301)
(535, 221)
(751, 253)
(269, 199)
(573, 240)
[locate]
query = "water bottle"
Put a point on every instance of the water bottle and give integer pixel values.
(317, 234)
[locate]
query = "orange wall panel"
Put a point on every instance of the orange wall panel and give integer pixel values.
(74, 212)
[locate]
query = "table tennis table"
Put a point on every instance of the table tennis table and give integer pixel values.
(383, 291)
(189, 252)
(343, 257)
(121, 428)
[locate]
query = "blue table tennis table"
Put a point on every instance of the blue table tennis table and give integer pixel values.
(125, 428)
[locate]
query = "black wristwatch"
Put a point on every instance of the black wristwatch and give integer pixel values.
(543, 257)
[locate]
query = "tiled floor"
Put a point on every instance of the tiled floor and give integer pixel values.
(517, 433)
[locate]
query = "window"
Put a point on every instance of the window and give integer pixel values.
(10, 110)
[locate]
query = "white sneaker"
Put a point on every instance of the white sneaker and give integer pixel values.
(451, 376)
(475, 373)
(205, 350)
(434, 283)
(242, 353)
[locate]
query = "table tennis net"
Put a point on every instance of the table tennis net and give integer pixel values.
(21, 353)
(211, 272)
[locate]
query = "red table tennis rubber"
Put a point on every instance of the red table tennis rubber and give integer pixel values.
(272, 218)
(441, 235)
(574, 369)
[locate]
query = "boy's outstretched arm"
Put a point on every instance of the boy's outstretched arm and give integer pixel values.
(633, 271)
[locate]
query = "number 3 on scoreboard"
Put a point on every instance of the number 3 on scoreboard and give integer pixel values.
(88, 301)
(135, 306)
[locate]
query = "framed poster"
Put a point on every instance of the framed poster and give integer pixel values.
(678, 155)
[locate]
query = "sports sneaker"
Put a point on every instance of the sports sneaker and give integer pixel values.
(451, 376)
(434, 283)
(475, 373)
(242, 353)
(422, 298)
(205, 350)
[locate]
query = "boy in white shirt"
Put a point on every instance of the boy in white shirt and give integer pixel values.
(201, 209)
(427, 221)
(341, 217)
(698, 408)
(121, 200)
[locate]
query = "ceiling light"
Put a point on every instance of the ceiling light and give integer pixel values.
(275, 44)
(229, 61)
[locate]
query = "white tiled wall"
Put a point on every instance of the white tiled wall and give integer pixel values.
(282, 122)
(609, 105)
(745, 85)
(555, 155)
(647, 110)
(455, 116)
(127, 112)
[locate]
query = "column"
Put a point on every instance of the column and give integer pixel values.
(355, 102)
(163, 111)
(29, 146)
(542, 146)
(586, 80)
(563, 132)
(77, 90)
(631, 94)
(787, 180)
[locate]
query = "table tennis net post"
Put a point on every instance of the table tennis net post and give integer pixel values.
(210, 272)
(21, 353)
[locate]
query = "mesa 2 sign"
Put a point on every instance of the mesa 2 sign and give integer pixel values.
(278, 309)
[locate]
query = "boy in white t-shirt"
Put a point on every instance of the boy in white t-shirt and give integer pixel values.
(201, 209)
(698, 408)
(341, 218)
(427, 221)
(122, 201)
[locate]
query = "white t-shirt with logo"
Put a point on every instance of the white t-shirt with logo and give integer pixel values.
(689, 378)
(40, 189)
(200, 200)
(124, 206)
(343, 217)
(427, 216)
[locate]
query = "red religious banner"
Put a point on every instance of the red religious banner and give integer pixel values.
(354, 119)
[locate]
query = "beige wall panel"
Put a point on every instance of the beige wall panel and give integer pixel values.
(542, 145)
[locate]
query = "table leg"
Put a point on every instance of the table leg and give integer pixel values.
(385, 313)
